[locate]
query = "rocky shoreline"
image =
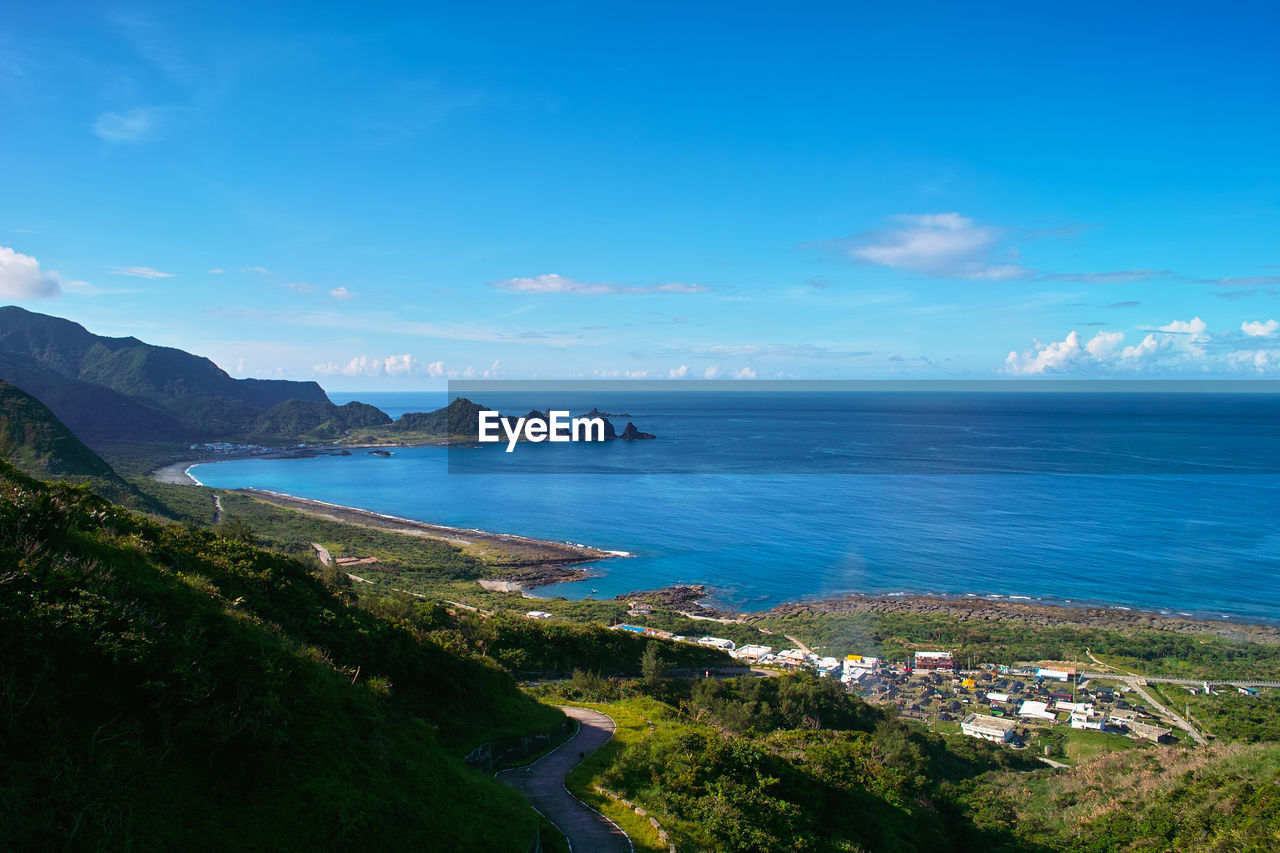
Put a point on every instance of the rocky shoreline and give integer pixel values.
(1039, 615)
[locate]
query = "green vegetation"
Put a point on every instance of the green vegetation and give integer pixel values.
(1165, 798)
(807, 768)
(37, 442)
(167, 686)
(312, 420)
(1232, 717)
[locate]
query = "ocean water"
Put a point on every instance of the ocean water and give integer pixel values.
(1165, 502)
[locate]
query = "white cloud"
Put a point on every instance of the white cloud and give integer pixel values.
(1175, 345)
(22, 278)
(256, 270)
(140, 272)
(745, 373)
(552, 283)
(476, 373)
(1104, 344)
(1256, 361)
(1258, 329)
(392, 365)
(945, 245)
(679, 372)
(216, 271)
(711, 372)
(132, 126)
(341, 293)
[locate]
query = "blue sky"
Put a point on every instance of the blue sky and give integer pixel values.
(380, 197)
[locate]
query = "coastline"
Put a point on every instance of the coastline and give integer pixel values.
(524, 564)
(1037, 614)
(519, 560)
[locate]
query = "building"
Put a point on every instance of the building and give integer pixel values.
(988, 728)
(718, 643)
(1150, 732)
(1055, 674)
(538, 614)
(828, 666)
(1073, 707)
(998, 697)
(796, 658)
(1037, 711)
(934, 660)
(1248, 691)
(753, 653)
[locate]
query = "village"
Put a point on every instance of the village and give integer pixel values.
(1020, 705)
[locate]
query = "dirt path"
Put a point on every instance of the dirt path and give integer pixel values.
(217, 509)
(799, 645)
(323, 553)
(542, 782)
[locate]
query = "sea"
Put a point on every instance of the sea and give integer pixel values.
(1158, 500)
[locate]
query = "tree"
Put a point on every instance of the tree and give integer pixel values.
(238, 530)
(652, 666)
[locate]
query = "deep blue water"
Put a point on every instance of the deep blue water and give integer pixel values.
(1077, 498)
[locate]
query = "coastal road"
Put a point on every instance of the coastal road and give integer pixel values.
(542, 782)
(1163, 711)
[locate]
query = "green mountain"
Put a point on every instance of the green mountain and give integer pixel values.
(169, 689)
(33, 439)
(458, 418)
(310, 420)
(119, 390)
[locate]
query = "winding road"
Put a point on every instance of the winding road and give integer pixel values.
(542, 782)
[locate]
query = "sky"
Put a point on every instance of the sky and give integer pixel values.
(383, 197)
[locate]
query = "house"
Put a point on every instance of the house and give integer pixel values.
(998, 697)
(1037, 711)
(934, 660)
(1150, 732)
(752, 652)
(987, 728)
(828, 666)
(796, 658)
(1074, 707)
(1055, 674)
(1248, 691)
(718, 643)
(538, 614)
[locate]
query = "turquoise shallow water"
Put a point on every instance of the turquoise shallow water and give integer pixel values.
(1154, 536)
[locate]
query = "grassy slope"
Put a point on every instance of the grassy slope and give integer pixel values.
(1170, 798)
(168, 689)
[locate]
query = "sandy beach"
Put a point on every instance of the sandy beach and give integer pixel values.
(175, 474)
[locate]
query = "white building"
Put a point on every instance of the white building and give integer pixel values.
(933, 660)
(1037, 711)
(998, 697)
(988, 728)
(827, 666)
(717, 643)
(753, 653)
(1056, 674)
(538, 614)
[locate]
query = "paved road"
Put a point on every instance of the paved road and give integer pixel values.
(1165, 712)
(323, 553)
(588, 831)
